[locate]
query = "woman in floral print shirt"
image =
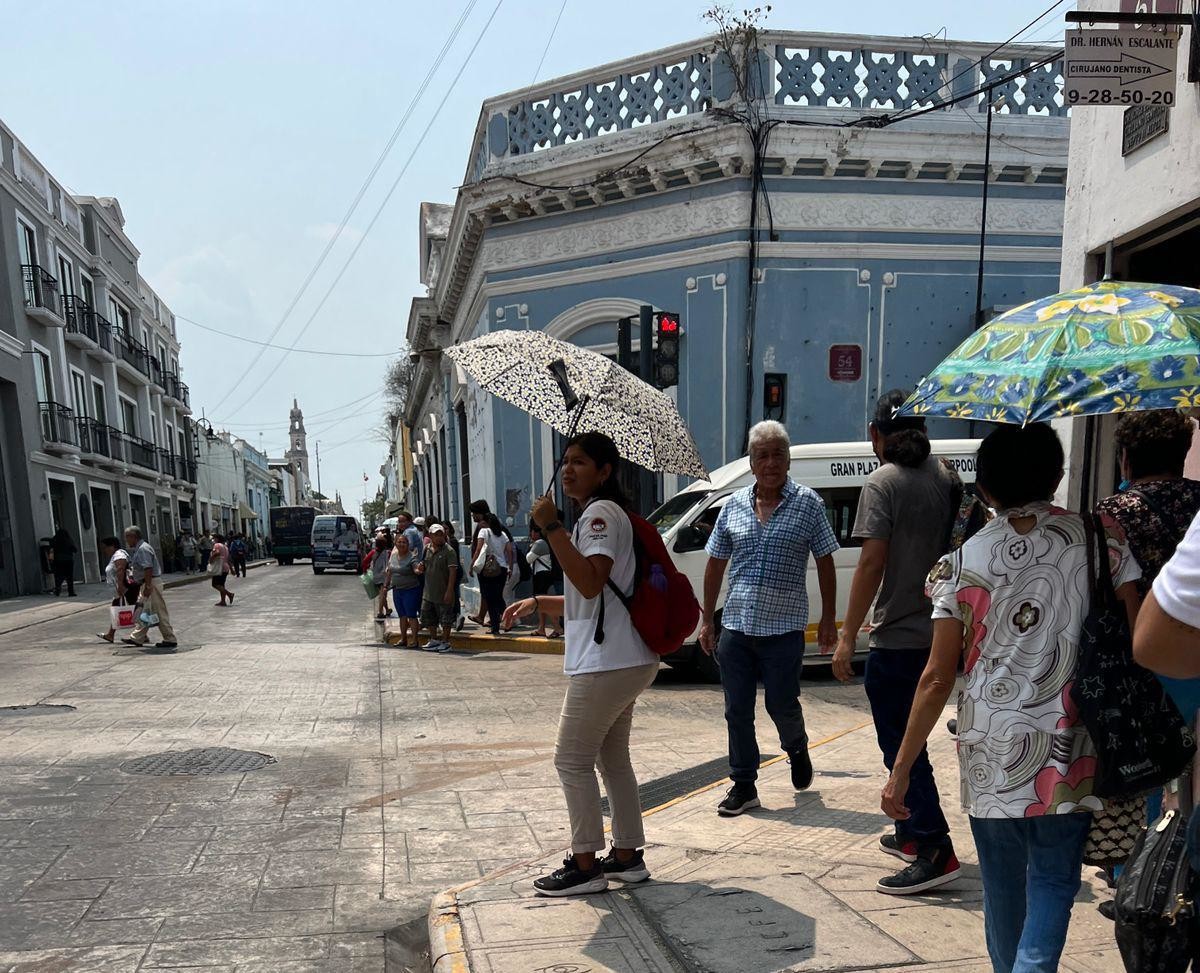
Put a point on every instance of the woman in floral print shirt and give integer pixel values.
(1014, 599)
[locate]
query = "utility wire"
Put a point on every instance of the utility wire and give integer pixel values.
(387, 198)
(412, 104)
(272, 424)
(549, 41)
(298, 351)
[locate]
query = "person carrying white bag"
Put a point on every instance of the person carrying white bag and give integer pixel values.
(123, 614)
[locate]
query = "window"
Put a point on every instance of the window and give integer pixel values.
(841, 507)
(120, 317)
(146, 339)
(154, 435)
(87, 290)
(66, 277)
(27, 241)
(128, 417)
(180, 439)
(99, 406)
(42, 375)
(78, 393)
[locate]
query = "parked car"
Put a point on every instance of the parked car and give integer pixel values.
(837, 471)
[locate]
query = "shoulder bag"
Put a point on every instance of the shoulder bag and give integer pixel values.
(1141, 740)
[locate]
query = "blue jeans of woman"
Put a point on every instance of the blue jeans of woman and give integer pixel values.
(1030, 869)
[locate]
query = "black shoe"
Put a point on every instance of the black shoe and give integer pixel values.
(802, 769)
(929, 871)
(633, 870)
(133, 642)
(741, 797)
(889, 844)
(952, 727)
(165, 645)
(569, 880)
(1108, 909)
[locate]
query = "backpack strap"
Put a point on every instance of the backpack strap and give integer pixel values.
(625, 600)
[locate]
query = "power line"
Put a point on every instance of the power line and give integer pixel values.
(299, 351)
(362, 189)
(271, 424)
(386, 199)
(549, 41)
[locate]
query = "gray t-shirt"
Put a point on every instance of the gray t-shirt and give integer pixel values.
(911, 508)
(142, 557)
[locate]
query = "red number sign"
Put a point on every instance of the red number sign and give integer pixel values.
(845, 363)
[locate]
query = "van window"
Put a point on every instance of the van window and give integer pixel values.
(841, 507)
(694, 537)
(671, 512)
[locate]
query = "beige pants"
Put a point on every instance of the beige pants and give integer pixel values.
(152, 600)
(593, 732)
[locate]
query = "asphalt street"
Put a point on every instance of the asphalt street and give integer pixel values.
(395, 774)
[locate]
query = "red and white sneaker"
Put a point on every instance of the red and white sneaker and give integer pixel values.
(932, 871)
(889, 844)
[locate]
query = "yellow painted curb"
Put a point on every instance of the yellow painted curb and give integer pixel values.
(447, 950)
(516, 643)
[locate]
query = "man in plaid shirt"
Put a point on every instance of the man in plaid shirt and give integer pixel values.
(764, 536)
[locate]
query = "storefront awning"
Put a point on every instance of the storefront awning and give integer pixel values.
(246, 512)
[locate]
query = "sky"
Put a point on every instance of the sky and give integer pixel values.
(237, 134)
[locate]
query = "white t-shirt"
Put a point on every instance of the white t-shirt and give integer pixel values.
(495, 544)
(1177, 587)
(603, 528)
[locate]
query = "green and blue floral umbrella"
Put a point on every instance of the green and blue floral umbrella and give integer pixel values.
(1107, 347)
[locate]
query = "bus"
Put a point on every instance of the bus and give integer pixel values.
(291, 533)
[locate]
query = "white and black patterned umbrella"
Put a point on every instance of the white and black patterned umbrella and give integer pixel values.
(538, 374)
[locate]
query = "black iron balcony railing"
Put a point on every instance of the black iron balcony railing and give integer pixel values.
(175, 388)
(156, 371)
(182, 393)
(141, 453)
(187, 468)
(166, 462)
(94, 436)
(117, 445)
(80, 318)
(41, 287)
(58, 425)
(134, 352)
(104, 332)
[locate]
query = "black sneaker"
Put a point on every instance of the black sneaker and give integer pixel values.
(165, 645)
(633, 870)
(952, 728)
(802, 769)
(1108, 909)
(929, 871)
(569, 880)
(741, 797)
(889, 844)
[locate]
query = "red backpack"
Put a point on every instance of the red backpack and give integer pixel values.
(663, 606)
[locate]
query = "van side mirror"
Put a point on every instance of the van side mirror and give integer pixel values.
(690, 538)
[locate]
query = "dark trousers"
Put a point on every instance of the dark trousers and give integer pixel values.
(239, 566)
(492, 592)
(891, 684)
(777, 660)
(64, 571)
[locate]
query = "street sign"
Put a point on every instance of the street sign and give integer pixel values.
(845, 363)
(1141, 124)
(1120, 68)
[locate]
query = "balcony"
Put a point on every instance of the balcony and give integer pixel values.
(94, 437)
(166, 463)
(133, 354)
(80, 320)
(41, 295)
(59, 432)
(156, 372)
(176, 389)
(186, 468)
(138, 452)
(105, 334)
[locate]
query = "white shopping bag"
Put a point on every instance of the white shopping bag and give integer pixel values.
(123, 616)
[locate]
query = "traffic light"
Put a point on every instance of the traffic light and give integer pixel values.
(668, 331)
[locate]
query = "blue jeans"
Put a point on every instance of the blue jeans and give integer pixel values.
(1030, 869)
(891, 685)
(777, 660)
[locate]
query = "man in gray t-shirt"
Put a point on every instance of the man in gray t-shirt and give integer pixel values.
(904, 518)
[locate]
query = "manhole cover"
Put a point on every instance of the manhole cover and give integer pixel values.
(198, 763)
(37, 709)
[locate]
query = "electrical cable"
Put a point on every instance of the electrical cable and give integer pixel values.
(386, 199)
(362, 189)
(298, 351)
(549, 41)
(271, 424)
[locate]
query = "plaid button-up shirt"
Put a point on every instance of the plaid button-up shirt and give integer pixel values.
(768, 565)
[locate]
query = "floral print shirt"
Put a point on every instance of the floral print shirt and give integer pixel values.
(1022, 599)
(1154, 516)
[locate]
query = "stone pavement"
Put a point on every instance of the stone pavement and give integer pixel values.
(397, 774)
(786, 887)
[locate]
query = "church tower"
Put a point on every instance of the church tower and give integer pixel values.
(297, 451)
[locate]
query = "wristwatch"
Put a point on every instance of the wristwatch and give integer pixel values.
(551, 527)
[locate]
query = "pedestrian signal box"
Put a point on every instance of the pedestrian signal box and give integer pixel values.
(668, 330)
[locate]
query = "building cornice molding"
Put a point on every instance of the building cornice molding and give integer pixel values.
(10, 345)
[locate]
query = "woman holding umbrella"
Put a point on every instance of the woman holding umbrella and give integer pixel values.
(605, 679)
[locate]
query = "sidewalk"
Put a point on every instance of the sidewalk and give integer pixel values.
(19, 613)
(786, 887)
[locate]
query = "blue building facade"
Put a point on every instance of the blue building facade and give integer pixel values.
(630, 184)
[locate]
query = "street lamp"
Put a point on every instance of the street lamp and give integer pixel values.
(992, 108)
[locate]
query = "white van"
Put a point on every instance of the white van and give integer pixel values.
(337, 542)
(837, 472)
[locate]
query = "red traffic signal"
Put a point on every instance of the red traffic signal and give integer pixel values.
(668, 324)
(668, 330)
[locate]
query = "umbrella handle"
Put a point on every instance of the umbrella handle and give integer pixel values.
(570, 435)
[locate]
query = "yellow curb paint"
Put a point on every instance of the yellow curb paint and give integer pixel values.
(486, 643)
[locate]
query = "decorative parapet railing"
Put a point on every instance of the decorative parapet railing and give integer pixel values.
(845, 74)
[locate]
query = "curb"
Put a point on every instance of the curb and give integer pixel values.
(528, 645)
(447, 948)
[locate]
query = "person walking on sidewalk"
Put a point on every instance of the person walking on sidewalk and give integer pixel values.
(205, 545)
(493, 563)
(541, 563)
(237, 555)
(764, 536)
(116, 573)
(145, 570)
(218, 568)
(604, 678)
(1013, 600)
(437, 607)
(905, 515)
(187, 549)
(62, 560)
